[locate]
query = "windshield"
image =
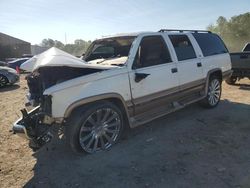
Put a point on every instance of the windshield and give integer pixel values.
(109, 48)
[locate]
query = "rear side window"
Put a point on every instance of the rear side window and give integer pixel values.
(183, 47)
(210, 44)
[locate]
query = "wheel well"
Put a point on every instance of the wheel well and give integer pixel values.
(115, 101)
(121, 106)
(217, 73)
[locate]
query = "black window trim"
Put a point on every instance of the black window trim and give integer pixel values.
(165, 44)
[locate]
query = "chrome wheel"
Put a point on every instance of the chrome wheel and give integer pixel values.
(100, 130)
(3, 81)
(214, 92)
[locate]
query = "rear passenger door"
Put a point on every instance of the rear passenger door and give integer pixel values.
(188, 65)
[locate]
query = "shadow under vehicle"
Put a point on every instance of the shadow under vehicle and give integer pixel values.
(189, 148)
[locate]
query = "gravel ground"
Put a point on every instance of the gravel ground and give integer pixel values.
(193, 147)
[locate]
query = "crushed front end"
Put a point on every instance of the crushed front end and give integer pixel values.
(35, 125)
(48, 69)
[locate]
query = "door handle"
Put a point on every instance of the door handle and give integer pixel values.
(174, 70)
(199, 64)
(140, 76)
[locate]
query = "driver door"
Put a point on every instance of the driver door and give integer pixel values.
(154, 76)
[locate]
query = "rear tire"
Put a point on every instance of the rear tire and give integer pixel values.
(95, 127)
(213, 93)
(231, 80)
(3, 81)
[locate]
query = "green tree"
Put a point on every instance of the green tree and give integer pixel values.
(58, 44)
(77, 48)
(235, 32)
(48, 43)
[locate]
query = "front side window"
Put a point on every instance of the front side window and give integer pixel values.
(152, 51)
(183, 47)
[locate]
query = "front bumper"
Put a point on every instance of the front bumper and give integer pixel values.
(19, 127)
(20, 130)
(35, 127)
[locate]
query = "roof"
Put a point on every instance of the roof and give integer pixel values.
(135, 34)
(121, 35)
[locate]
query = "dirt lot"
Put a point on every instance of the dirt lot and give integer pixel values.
(194, 147)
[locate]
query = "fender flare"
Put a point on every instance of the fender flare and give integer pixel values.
(96, 98)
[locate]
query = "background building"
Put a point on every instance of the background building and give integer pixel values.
(11, 47)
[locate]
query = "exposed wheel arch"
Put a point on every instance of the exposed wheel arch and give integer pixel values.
(110, 97)
(214, 72)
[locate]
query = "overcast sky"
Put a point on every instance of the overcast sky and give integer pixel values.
(34, 20)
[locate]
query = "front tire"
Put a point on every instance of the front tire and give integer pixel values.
(95, 127)
(3, 81)
(213, 93)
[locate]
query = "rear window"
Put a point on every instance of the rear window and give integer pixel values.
(183, 47)
(210, 44)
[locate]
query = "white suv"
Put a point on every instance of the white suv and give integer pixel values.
(122, 80)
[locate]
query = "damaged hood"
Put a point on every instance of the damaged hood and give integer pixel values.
(54, 57)
(111, 61)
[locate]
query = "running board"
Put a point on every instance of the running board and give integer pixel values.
(152, 115)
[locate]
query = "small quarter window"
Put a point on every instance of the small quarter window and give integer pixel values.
(183, 47)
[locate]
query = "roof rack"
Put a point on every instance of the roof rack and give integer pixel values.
(182, 31)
